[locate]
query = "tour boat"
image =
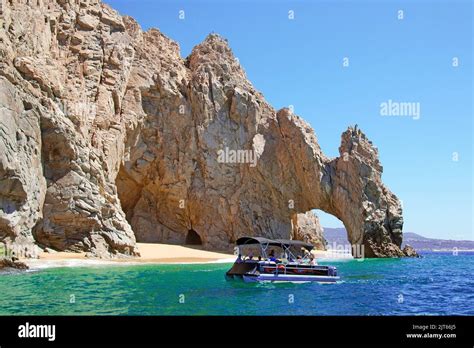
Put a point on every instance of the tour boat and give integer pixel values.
(257, 262)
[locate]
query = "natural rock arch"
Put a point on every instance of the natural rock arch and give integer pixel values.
(348, 187)
(143, 159)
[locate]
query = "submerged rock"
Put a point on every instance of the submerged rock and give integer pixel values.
(108, 136)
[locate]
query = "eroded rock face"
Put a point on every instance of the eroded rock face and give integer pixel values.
(356, 195)
(108, 136)
(67, 65)
(306, 227)
(22, 184)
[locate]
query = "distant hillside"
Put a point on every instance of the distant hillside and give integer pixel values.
(415, 236)
(335, 235)
(339, 236)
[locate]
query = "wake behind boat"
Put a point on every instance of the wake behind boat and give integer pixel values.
(295, 263)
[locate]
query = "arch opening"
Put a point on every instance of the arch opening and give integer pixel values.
(334, 232)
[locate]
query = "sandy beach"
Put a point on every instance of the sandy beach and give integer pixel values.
(166, 253)
(149, 253)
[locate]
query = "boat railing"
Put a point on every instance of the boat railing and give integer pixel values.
(280, 268)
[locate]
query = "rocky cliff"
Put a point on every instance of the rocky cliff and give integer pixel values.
(108, 136)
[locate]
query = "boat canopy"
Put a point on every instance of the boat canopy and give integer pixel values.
(274, 242)
(296, 243)
(256, 240)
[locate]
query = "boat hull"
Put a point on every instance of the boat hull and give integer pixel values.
(290, 266)
(288, 278)
(251, 272)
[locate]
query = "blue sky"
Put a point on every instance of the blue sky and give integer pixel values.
(299, 62)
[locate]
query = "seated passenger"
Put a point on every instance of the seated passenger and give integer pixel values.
(306, 253)
(312, 260)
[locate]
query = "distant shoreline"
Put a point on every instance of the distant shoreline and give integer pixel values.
(446, 250)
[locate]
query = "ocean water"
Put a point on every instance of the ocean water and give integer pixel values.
(438, 283)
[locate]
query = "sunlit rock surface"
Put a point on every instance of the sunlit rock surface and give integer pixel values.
(108, 136)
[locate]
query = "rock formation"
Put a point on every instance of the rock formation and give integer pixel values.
(306, 227)
(108, 136)
(9, 264)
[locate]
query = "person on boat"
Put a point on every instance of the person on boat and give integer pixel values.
(312, 260)
(239, 259)
(250, 256)
(272, 256)
(285, 258)
(306, 255)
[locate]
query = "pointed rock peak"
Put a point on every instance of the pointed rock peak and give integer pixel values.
(213, 45)
(285, 112)
(215, 56)
(214, 37)
(354, 141)
(358, 135)
(355, 131)
(354, 134)
(217, 43)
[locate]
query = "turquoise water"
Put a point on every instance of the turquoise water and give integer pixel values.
(436, 284)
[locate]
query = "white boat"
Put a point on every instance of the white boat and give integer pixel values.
(261, 264)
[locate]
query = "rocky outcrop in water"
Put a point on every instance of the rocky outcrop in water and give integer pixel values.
(409, 251)
(9, 264)
(108, 136)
